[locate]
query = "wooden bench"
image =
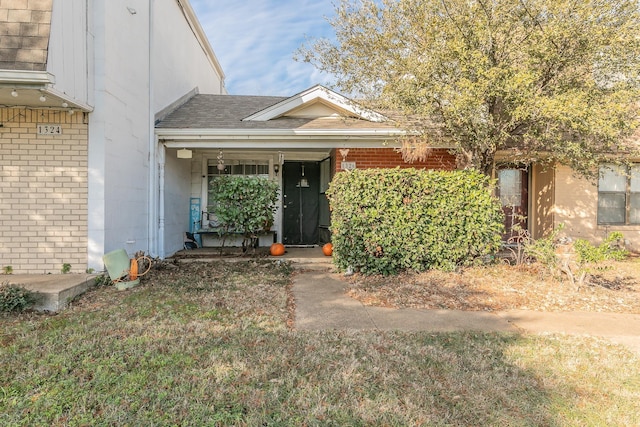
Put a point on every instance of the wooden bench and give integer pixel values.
(212, 236)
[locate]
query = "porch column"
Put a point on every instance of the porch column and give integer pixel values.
(161, 162)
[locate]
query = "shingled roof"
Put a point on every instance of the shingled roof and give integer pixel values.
(227, 112)
(24, 34)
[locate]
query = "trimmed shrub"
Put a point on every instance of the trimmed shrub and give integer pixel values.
(389, 220)
(15, 298)
(243, 204)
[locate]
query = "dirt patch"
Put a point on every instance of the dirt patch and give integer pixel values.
(221, 253)
(614, 289)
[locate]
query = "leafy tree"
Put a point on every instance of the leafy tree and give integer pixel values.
(554, 80)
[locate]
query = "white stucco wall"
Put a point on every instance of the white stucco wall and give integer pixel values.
(576, 206)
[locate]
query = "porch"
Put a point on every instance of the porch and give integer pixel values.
(301, 258)
(300, 142)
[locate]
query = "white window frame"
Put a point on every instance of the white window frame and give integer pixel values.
(628, 187)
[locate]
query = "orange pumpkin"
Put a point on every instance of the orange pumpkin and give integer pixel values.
(327, 249)
(277, 249)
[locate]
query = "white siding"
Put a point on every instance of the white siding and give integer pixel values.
(179, 60)
(68, 56)
(177, 195)
(119, 130)
(138, 73)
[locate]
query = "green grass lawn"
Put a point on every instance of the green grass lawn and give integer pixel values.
(208, 344)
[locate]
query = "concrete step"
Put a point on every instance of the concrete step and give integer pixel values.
(54, 291)
(315, 264)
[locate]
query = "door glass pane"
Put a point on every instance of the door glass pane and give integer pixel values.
(510, 187)
(635, 178)
(325, 175)
(612, 178)
(213, 170)
(634, 208)
(324, 213)
(611, 208)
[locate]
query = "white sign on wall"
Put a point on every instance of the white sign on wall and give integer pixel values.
(348, 166)
(49, 129)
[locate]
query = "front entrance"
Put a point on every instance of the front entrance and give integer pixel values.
(301, 183)
(513, 182)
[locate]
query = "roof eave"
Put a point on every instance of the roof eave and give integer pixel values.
(281, 139)
(26, 78)
(180, 133)
(275, 139)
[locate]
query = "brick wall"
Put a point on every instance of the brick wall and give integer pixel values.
(367, 158)
(43, 191)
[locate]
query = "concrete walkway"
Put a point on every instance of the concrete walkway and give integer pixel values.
(321, 303)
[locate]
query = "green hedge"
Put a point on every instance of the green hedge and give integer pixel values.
(389, 220)
(243, 204)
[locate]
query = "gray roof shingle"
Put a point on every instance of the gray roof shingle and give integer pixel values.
(216, 111)
(24, 34)
(227, 112)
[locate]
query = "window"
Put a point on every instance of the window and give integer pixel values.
(254, 168)
(510, 187)
(619, 194)
(239, 169)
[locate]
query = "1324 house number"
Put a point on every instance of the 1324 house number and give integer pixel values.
(49, 130)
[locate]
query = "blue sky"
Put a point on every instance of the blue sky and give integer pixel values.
(255, 40)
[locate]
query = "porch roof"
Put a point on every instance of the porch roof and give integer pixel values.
(226, 112)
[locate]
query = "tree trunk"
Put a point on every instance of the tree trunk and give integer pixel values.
(472, 159)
